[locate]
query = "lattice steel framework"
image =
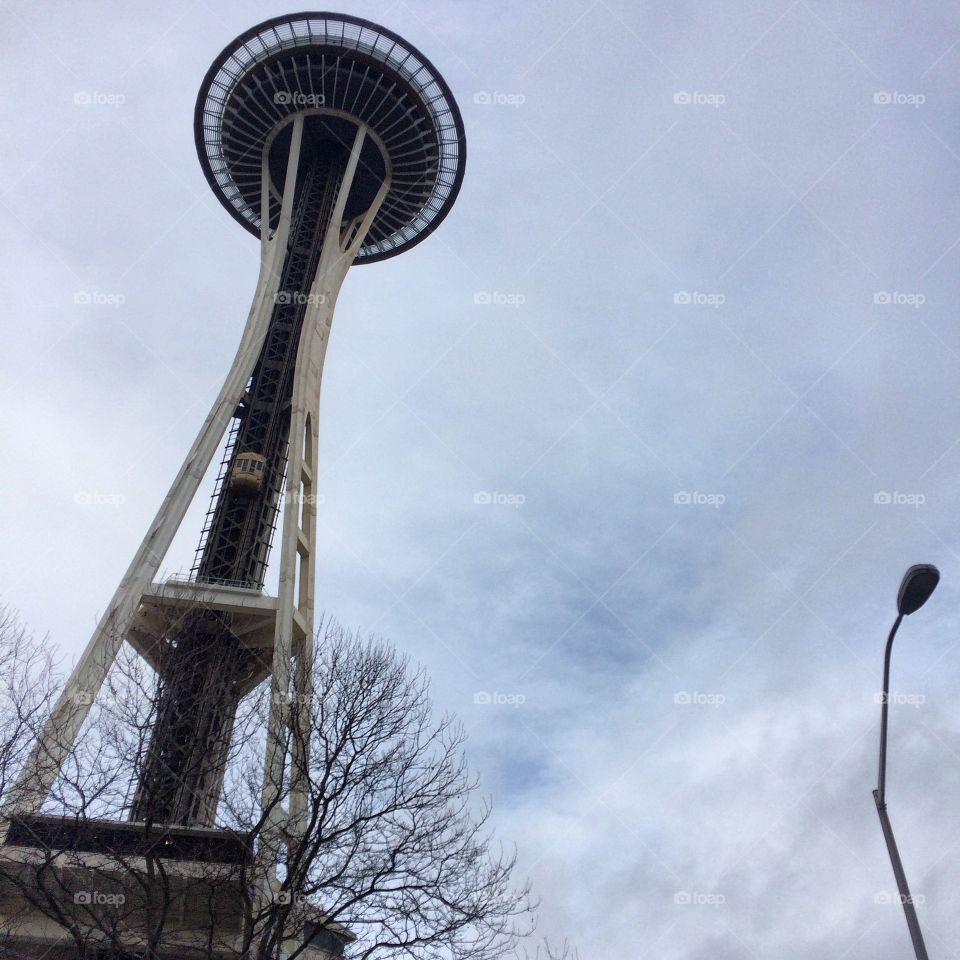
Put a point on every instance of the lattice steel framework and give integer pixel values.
(205, 658)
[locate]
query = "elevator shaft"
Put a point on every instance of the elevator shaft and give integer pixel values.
(202, 660)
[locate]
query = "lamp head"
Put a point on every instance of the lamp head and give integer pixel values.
(915, 588)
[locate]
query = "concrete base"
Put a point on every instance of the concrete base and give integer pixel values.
(113, 881)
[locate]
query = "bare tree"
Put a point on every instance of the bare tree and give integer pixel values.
(395, 845)
(548, 951)
(394, 855)
(27, 690)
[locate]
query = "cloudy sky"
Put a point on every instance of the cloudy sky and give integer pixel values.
(631, 453)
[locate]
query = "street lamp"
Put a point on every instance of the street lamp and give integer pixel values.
(915, 589)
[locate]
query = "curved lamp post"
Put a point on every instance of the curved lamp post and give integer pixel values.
(915, 589)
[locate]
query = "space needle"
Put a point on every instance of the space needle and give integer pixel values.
(334, 142)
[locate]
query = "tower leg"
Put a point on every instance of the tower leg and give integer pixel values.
(288, 732)
(59, 734)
